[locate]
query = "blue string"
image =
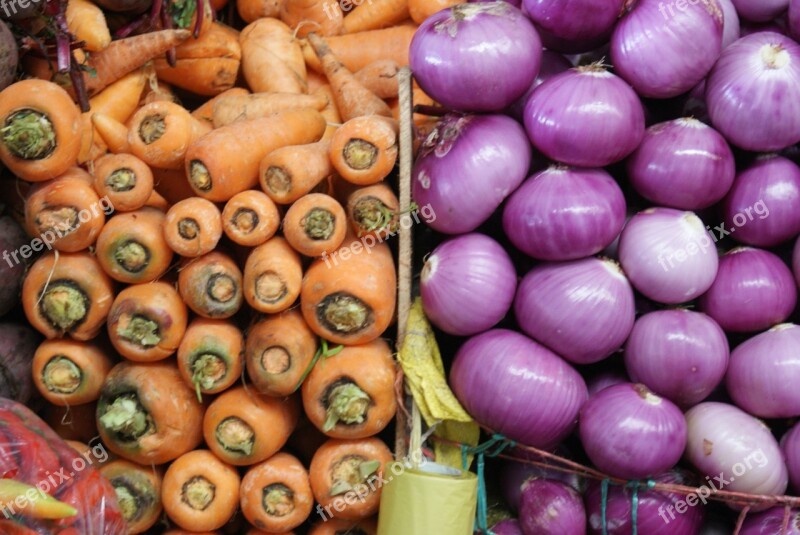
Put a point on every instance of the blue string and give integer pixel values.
(499, 443)
(604, 504)
(634, 485)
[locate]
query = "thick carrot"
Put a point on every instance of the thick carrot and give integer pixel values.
(124, 179)
(315, 81)
(336, 526)
(74, 422)
(211, 285)
(279, 350)
(210, 357)
(422, 9)
(250, 218)
(276, 494)
(120, 99)
(160, 133)
(157, 91)
(373, 210)
(364, 149)
(273, 274)
(330, 112)
(349, 466)
(158, 202)
(243, 427)
(235, 108)
(321, 16)
(205, 112)
(252, 10)
(147, 321)
(68, 372)
(271, 58)
(131, 247)
(138, 490)
(193, 227)
(352, 98)
(288, 173)
(315, 224)
(172, 184)
(357, 50)
(147, 414)
(200, 492)
(225, 161)
(380, 78)
(376, 15)
(40, 134)
(87, 23)
(113, 133)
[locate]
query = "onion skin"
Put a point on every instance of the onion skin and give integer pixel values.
(513, 475)
(730, 29)
(467, 284)
(753, 291)
(573, 26)
(565, 213)
(796, 261)
(753, 92)
(466, 168)
(507, 527)
(771, 521)
(550, 507)
(760, 10)
(500, 374)
(794, 19)
(663, 51)
(552, 64)
(586, 117)
(790, 444)
(682, 164)
(583, 309)
(723, 439)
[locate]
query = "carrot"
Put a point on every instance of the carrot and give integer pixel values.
(40, 130)
(279, 351)
(113, 133)
(147, 414)
(348, 296)
(250, 218)
(160, 133)
(225, 161)
(120, 99)
(252, 10)
(211, 285)
(373, 211)
(158, 202)
(124, 179)
(288, 173)
(235, 108)
(158, 91)
(66, 213)
(147, 321)
(68, 372)
(271, 58)
(244, 427)
(321, 16)
(330, 112)
(138, 490)
(315, 224)
(422, 9)
(351, 395)
(131, 247)
(200, 492)
(88, 24)
(193, 227)
(205, 111)
(210, 355)
(256, 531)
(376, 15)
(364, 149)
(172, 184)
(74, 422)
(335, 526)
(315, 81)
(273, 273)
(352, 98)
(357, 50)
(349, 466)
(276, 494)
(380, 78)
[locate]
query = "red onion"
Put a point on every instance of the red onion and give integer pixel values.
(682, 164)
(565, 213)
(730, 28)
(770, 522)
(665, 48)
(790, 444)
(668, 255)
(467, 166)
(753, 291)
(727, 443)
(574, 25)
(467, 284)
(550, 507)
(583, 309)
(761, 207)
(512, 474)
(600, 382)
(631, 433)
(796, 262)
(753, 92)
(507, 527)
(500, 374)
(476, 57)
(760, 10)
(585, 117)
(764, 372)
(679, 354)
(552, 64)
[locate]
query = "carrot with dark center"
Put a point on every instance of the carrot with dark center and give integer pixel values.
(315, 224)
(125, 179)
(364, 150)
(193, 227)
(210, 357)
(273, 274)
(373, 211)
(69, 372)
(276, 494)
(160, 133)
(138, 490)
(238, 107)
(288, 173)
(211, 285)
(250, 218)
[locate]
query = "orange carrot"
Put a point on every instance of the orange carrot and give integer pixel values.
(193, 227)
(172, 184)
(210, 357)
(422, 9)
(138, 490)
(373, 210)
(321, 16)
(160, 133)
(252, 10)
(113, 133)
(315, 81)
(273, 274)
(206, 110)
(250, 218)
(330, 112)
(68, 372)
(364, 149)
(357, 50)
(335, 526)
(120, 99)
(211, 285)
(288, 173)
(158, 202)
(376, 15)
(87, 23)
(157, 91)
(271, 58)
(315, 224)
(276, 494)
(380, 78)
(235, 108)
(124, 179)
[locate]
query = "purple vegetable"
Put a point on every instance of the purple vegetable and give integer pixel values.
(796, 262)
(476, 57)
(467, 166)
(565, 213)
(679, 354)
(585, 117)
(550, 507)
(583, 309)
(552, 64)
(18, 343)
(770, 522)
(468, 284)
(500, 374)
(512, 474)
(574, 25)
(790, 444)
(507, 527)
(730, 28)
(12, 237)
(760, 10)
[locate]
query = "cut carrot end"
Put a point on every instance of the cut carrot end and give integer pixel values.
(29, 134)
(344, 313)
(319, 224)
(276, 360)
(278, 500)
(139, 330)
(207, 370)
(279, 181)
(152, 128)
(199, 176)
(198, 493)
(360, 154)
(123, 179)
(235, 435)
(347, 403)
(126, 417)
(61, 376)
(64, 306)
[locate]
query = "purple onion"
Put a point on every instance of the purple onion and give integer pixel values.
(790, 444)
(679, 354)
(760, 10)
(583, 309)
(552, 64)
(753, 92)
(585, 117)
(753, 291)
(500, 374)
(467, 284)
(467, 166)
(512, 474)
(770, 522)
(550, 507)
(796, 262)
(565, 213)
(598, 383)
(507, 527)
(761, 207)
(663, 49)
(730, 28)
(682, 164)
(574, 25)
(668, 255)
(476, 57)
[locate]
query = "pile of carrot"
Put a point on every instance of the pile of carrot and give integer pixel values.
(213, 280)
